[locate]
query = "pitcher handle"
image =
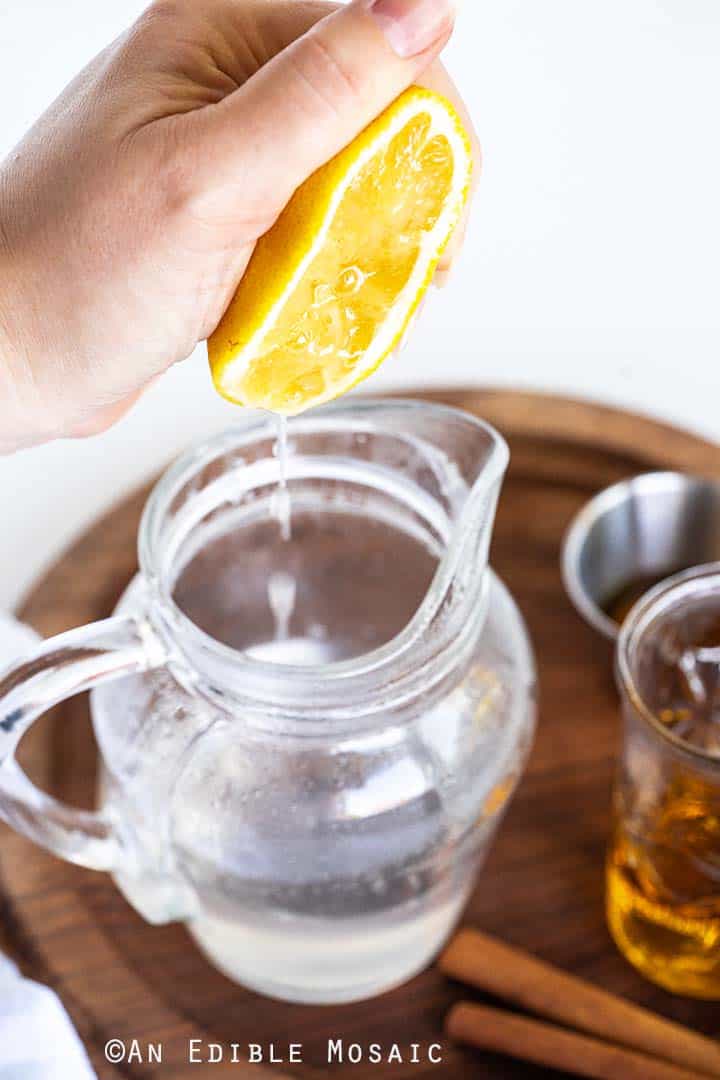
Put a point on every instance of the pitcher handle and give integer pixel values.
(62, 666)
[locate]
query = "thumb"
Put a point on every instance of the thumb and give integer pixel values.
(314, 97)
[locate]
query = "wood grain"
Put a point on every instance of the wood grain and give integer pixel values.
(542, 888)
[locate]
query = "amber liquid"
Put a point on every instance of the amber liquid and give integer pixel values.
(663, 870)
(663, 897)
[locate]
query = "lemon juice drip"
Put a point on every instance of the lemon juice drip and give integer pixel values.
(281, 509)
(282, 587)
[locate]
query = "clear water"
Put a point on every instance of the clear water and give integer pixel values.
(324, 960)
(341, 585)
(316, 870)
(282, 648)
(332, 584)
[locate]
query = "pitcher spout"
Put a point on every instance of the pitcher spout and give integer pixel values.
(467, 460)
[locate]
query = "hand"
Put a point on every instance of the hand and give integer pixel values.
(130, 210)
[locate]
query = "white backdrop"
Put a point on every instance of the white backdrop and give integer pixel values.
(592, 266)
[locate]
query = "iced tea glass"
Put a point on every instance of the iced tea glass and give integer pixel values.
(663, 869)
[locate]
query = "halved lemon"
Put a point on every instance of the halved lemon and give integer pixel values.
(332, 286)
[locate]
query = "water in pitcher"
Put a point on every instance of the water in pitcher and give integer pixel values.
(327, 865)
(333, 586)
(320, 586)
(336, 585)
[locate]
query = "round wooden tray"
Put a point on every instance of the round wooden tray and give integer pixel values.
(542, 888)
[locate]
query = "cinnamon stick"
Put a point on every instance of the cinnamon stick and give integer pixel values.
(553, 1047)
(518, 977)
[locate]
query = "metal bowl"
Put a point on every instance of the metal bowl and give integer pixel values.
(645, 528)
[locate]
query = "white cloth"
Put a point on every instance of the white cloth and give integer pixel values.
(37, 1038)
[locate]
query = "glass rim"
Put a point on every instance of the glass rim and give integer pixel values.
(339, 676)
(651, 606)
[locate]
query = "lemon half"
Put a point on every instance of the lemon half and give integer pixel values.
(331, 288)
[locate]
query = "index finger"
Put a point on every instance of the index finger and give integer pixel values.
(280, 22)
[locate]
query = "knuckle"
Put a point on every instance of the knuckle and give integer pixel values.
(164, 10)
(154, 28)
(158, 26)
(325, 76)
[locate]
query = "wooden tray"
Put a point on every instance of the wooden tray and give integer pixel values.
(542, 888)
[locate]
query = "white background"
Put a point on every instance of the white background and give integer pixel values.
(592, 266)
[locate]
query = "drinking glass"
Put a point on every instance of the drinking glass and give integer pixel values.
(663, 868)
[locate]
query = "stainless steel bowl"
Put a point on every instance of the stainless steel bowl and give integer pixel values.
(647, 527)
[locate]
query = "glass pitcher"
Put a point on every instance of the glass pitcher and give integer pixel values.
(307, 737)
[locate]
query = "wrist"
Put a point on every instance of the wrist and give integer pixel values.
(18, 419)
(22, 415)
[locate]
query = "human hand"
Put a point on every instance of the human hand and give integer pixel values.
(130, 210)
